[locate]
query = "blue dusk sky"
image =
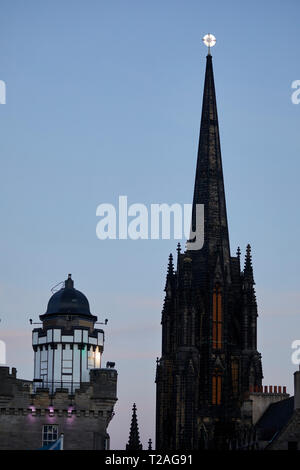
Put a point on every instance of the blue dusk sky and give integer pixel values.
(104, 99)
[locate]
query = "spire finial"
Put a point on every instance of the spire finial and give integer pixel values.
(170, 271)
(248, 261)
(69, 283)
(134, 437)
(209, 40)
(248, 254)
(150, 444)
(170, 265)
(238, 252)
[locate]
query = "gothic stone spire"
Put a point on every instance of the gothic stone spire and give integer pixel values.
(209, 183)
(134, 437)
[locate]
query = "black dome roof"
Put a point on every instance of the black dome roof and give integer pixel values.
(68, 301)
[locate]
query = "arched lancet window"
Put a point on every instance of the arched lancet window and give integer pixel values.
(216, 389)
(217, 318)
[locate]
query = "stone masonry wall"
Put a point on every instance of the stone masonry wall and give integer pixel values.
(83, 417)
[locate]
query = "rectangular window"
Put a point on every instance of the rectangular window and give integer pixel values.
(44, 363)
(67, 367)
(67, 354)
(97, 358)
(66, 377)
(49, 434)
(91, 358)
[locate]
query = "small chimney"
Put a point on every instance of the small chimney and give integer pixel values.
(297, 390)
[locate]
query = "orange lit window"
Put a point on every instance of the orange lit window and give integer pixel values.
(217, 318)
(216, 389)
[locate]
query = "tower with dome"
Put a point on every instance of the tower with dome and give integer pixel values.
(68, 346)
(72, 393)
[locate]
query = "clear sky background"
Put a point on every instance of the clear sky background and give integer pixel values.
(104, 99)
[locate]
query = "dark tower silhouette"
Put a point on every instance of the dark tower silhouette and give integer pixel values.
(209, 357)
(134, 437)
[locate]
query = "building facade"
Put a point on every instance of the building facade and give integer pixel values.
(209, 357)
(71, 393)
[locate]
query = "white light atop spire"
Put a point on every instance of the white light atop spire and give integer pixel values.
(209, 40)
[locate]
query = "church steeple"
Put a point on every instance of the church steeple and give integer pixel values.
(209, 183)
(209, 356)
(134, 437)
